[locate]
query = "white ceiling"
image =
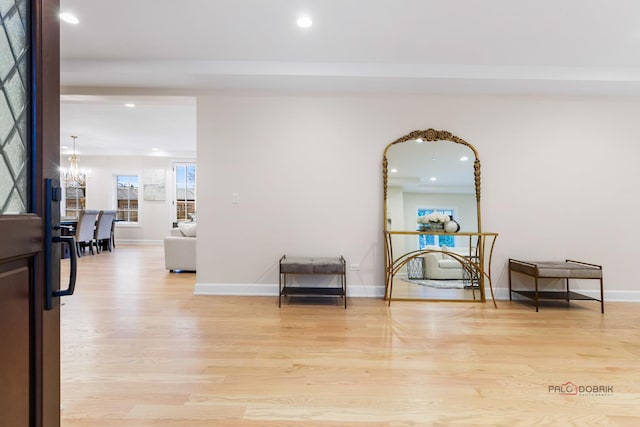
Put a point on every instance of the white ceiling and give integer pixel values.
(156, 126)
(407, 46)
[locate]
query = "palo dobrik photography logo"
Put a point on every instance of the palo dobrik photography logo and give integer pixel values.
(571, 389)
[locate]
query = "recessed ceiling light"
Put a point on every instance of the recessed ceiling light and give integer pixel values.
(304, 21)
(154, 149)
(394, 170)
(433, 178)
(464, 159)
(130, 105)
(69, 18)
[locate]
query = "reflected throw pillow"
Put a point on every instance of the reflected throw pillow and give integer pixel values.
(446, 248)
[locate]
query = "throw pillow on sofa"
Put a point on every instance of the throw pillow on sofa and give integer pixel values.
(188, 229)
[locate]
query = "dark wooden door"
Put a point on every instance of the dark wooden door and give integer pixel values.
(29, 154)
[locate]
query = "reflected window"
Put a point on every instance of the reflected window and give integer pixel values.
(425, 240)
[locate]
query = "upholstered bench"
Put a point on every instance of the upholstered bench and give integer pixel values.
(310, 265)
(568, 269)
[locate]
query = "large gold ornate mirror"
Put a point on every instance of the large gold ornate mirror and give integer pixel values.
(432, 181)
(431, 169)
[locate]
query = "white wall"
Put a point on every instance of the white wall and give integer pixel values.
(558, 179)
(155, 217)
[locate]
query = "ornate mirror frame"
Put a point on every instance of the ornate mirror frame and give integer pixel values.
(432, 135)
(478, 265)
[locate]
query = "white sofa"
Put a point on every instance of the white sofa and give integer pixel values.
(439, 266)
(180, 249)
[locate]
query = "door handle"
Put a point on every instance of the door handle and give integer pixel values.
(70, 241)
(52, 198)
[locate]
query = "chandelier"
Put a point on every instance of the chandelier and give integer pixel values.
(73, 175)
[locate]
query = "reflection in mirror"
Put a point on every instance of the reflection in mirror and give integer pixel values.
(429, 173)
(428, 176)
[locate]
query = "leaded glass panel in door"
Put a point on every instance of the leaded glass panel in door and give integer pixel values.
(14, 107)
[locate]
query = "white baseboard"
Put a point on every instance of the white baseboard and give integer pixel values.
(258, 289)
(609, 296)
(369, 291)
(239, 289)
(622, 296)
(138, 242)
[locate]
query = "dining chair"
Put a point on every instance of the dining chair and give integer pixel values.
(104, 226)
(85, 230)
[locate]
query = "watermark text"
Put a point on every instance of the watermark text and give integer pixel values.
(571, 389)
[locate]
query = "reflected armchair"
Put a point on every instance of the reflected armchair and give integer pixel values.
(438, 266)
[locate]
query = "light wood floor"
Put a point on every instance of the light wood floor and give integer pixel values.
(138, 349)
(404, 289)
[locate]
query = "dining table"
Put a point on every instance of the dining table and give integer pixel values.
(68, 225)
